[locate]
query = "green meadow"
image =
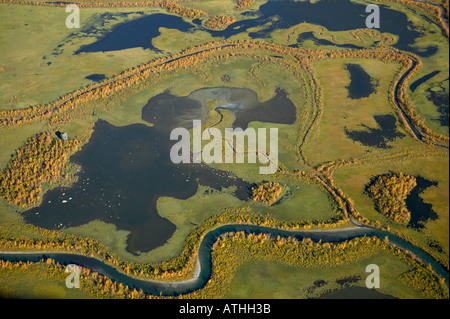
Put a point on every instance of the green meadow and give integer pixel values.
(329, 141)
(37, 282)
(263, 279)
(353, 180)
(38, 65)
(38, 58)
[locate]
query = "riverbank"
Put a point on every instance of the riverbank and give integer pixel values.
(204, 270)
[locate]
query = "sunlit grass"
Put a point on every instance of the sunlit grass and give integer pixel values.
(352, 180)
(262, 279)
(329, 141)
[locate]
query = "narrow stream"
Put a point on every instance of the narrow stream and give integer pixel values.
(204, 267)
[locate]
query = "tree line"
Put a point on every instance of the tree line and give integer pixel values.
(267, 193)
(235, 249)
(389, 193)
(171, 6)
(186, 59)
(219, 22)
(42, 160)
(242, 4)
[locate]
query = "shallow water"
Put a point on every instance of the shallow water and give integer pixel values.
(361, 85)
(124, 170)
(335, 15)
(421, 212)
(96, 77)
(423, 79)
(377, 137)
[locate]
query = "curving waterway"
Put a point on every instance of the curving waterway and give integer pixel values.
(204, 266)
(334, 15)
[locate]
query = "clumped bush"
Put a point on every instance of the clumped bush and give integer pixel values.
(389, 193)
(219, 22)
(41, 160)
(267, 193)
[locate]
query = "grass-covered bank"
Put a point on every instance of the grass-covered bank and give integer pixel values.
(434, 236)
(254, 255)
(325, 122)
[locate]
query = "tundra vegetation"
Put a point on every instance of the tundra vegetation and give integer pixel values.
(389, 193)
(339, 179)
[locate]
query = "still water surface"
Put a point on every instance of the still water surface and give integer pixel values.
(124, 170)
(335, 15)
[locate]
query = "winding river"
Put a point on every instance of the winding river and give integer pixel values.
(204, 266)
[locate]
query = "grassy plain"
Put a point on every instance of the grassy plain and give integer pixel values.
(51, 69)
(262, 279)
(50, 72)
(12, 139)
(36, 283)
(432, 37)
(352, 180)
(329, 141)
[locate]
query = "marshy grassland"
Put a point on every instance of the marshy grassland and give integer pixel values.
(323, 171)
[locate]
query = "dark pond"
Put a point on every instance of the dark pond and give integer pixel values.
(335, 15)
(310, 36)
(420, 211)
(137, 33)
(96, 77)
(361, 85)
(279, 109)
(126, 169)
(439, 97)
(377, 137)
(242, 102)
(423, 79)
(355, 292)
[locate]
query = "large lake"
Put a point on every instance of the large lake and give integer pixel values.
(124, 170)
